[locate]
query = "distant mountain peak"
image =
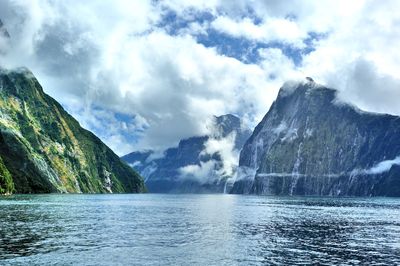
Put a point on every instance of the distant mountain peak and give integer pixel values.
(307, 87)
(165, 174)
(227, 117)
(225, 124)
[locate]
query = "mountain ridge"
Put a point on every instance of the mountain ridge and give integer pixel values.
(310, 143)
(44, 149)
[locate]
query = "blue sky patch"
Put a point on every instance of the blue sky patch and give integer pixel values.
(241, 49)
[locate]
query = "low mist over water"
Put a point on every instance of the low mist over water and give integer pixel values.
(158, 229)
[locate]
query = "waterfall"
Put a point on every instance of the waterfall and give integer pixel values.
(295, 172)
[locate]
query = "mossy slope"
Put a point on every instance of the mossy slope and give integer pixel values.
(44, 149)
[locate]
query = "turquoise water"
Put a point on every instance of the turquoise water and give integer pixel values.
(157, 229)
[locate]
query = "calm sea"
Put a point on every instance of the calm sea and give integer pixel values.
(158, 229)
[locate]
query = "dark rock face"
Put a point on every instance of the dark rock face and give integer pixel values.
(311, 144)
(44, 149)
(165, 174)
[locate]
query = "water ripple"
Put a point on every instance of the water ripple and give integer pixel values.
(197, 230)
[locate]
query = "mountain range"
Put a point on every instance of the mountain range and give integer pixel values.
(195, 165)
(309, 143)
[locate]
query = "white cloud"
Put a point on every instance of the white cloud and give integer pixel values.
(379, 168)
(176, 86)
(225, 148)
(202, 173)
(359, 57)
(384, 166)
(112, 55)
(272, 30)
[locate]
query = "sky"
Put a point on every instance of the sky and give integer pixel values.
(145, 74)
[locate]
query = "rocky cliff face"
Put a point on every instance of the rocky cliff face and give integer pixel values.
(43, 149)
(309, 143)
(194, 166)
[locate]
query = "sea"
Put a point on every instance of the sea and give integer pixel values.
(189, 229)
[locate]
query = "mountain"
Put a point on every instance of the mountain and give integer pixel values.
(194, 166)
(44, 149)
(310, 143)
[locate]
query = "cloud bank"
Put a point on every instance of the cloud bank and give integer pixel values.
(144, 74)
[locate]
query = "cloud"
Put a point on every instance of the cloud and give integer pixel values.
(371, 89)
(104, 59)
(218, 159)
(379, 168)
(202, 173)
(384, 166)
(172, 82)
(358, 57)
(272, 30)
(177, 86)
(225, 148)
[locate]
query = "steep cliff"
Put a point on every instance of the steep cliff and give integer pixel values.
(200, 164)
(309, 143)
(44, 149)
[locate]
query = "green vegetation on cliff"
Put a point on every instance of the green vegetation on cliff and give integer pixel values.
(6, 182)
(44, 149)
